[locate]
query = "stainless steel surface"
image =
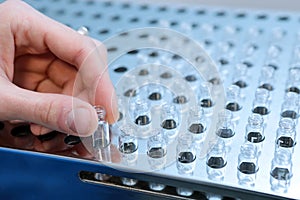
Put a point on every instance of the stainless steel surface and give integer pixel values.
(229, 35)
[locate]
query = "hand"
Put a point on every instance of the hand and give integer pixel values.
(50, 75)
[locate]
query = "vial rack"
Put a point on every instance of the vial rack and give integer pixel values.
(257, 55)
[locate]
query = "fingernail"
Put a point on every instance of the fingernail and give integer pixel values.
(80, 120)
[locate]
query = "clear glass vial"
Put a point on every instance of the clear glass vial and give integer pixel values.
(261, 103)
(225, 125)
(101, 137)
(281, 170)
(157, 151)
(286, 134)
(169, 121)
(290, 106)
(247, 164)
(128, 145)
(255, 130)
(186, 154)
(216, 161)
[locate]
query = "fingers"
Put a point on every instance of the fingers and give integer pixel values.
(57, 112)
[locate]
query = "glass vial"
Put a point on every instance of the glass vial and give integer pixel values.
(101, 137)
(186, 155)
(290, 106)
(157, 151)
(169, 121)
(197, 125)
(293, 83)
(128, 145)
(205, 98)
(247, 164)
(261, 103)
(216, 161)
(286, 134)
(225, 126)
(255, 130)
(281, 170)
(142, 112)
(233, 100)
(266, 79)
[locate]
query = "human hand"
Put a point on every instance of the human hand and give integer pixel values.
(50, 75)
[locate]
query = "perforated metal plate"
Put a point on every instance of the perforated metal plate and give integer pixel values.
(251, 48)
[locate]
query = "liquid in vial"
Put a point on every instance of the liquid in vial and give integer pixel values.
(157, 150)
(186, 154)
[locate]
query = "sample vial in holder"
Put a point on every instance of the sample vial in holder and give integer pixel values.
(293, 81)
(266, 79)
(286, 134)
(225, 126)
(290, 106)
(241, 75)
(157, 150)
(155, 93)
(233, 100)
(281, 170)
(142, 112)
(197, 125)
(185, 192)
(261, 103)
(186, 154)
(205, 98)
(101, 137)
(247, 164)
(128, 145)
(216, 161)
(255, 130)
(169, 121)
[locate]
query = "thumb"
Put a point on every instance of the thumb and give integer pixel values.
(55, 111)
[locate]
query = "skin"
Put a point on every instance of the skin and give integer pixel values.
(50, 75)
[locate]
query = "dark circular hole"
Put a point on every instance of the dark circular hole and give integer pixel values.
(180, 99)
(206, 103)
(240, 15)
(72, 140)
(103, 31)
(107, 4)
(233, 106)
(121, 69)
(153, 54)
(208, 42)
(143, 36)
(293, 89)
(220, 13)
(115, 18)
(142, 120)
(166, 75)
(125, 5)
(215, 81)
(153, 21)
(176, 57)
(2, 125)
(130, 93)
(112, 49)
(133, 52)
(163, 38)
(21, 131)
(267, 86)
(261, 110)
(97, 16)
(191, 78)
(196, 128)
(248, 64)
(124, 34)
(169, 124)
(283, 18)
(134, 20)
(48, 136)
(162, 9)
(200, 59)
(216, 162)
(143, 72)
(181, 10)
(241, 84)
(200, 12)
(247, 168)
(174, 23)
(261, 17)
(223, 61)
(78, 14)
(60, 12)
(144, 7)
(195, 25)
(155, 96)
(289, 114)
